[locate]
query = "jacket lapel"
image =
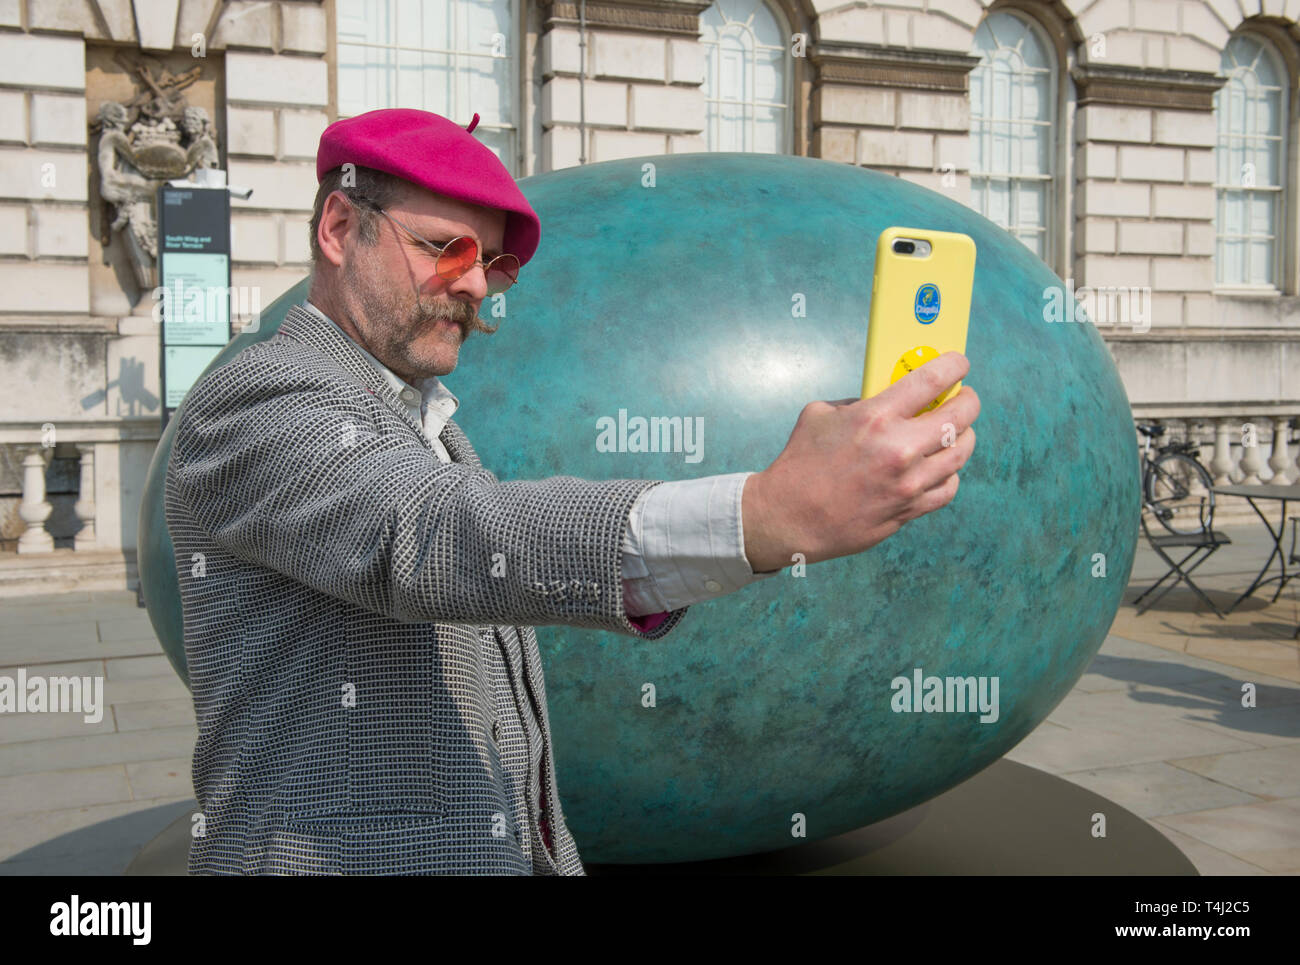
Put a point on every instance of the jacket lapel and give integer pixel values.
(306, 327)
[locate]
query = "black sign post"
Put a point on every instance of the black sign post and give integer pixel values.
(193, 285)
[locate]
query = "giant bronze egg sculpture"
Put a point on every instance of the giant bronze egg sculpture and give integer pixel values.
(731, 290)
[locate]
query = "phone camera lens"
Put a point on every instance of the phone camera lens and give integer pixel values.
(904, 247)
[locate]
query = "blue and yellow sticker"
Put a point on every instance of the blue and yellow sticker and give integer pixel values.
(927, 303)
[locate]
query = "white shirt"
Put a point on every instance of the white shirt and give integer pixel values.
(685, 540)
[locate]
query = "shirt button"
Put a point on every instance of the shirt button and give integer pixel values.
(496, 731)
(410, 397)
(713, 586)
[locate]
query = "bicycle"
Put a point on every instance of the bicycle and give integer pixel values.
(1175, 486)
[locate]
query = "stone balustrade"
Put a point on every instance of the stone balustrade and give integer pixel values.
(1245, 448)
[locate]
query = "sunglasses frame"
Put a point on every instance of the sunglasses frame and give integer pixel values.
(500, 261)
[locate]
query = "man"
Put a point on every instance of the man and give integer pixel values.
(359, 591)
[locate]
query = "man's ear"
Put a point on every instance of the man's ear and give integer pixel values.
(337, 218)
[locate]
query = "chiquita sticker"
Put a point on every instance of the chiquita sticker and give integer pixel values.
(927, 303)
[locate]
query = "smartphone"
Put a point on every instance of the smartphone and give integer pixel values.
(920, 305)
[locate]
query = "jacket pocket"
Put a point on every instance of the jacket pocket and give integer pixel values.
(390, 844)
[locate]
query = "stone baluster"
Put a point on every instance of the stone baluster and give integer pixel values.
(1251, 461)
(35, 509)
(85, 506)
(1222, 463)
(1280, 460)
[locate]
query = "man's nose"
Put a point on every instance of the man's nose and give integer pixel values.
(473, 284)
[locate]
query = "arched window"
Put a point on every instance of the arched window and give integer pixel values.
(455, 58)
(1250, 156)
(1012, 124)
(746, 78)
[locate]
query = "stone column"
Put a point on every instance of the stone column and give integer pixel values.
(1280, 460)
(1221, 464)
(85, 506)
(35, 509)
(1251, 461)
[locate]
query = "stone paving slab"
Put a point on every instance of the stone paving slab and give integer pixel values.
(17, 728)
(147, 714)
(168, 778)
(98, 840)
(128, 668)
(105, 784)
(1155, 788)
(1266, 833)
(1271, 772)
(1208, 860)
(38, 648)
(90, 750)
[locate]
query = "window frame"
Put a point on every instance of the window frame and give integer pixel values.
(783, 23)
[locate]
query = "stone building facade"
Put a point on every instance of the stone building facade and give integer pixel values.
(1145, 149)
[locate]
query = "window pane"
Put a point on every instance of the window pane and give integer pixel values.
(1013, 130)
(769, 122)
(746, 65)
(999, 202)
(768, 75)
(1031, 204)
(1251, 112)
(1261, 262)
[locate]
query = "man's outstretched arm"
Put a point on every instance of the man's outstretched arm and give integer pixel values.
(292, 474)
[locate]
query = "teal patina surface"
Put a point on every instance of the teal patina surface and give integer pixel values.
(679, 299)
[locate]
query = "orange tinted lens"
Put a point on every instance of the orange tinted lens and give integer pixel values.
(457, 258)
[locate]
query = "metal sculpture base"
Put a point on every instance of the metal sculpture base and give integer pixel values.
(1007, 820)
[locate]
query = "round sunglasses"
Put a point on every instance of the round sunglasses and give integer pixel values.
(459, 255)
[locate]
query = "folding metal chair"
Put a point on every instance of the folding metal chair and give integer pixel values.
(1293, 557)
(1207, 540)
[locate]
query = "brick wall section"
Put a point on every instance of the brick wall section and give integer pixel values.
(914, 134)
(642, 96)
(277, 89)
(43, 173)
(1145, 206)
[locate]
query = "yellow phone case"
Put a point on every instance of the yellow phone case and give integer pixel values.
(920, 307)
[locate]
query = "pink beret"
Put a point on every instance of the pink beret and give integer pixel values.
(435, 153)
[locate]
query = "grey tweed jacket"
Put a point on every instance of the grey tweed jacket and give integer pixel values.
(346, 597)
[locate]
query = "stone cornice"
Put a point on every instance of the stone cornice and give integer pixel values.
(677, 18)
(865, 65)
(1185, 90)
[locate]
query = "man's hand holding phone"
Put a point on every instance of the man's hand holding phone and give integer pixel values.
(855, 470)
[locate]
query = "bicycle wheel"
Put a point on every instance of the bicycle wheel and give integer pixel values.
(1179, 490)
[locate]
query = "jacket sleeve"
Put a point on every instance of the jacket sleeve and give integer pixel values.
(294, 475)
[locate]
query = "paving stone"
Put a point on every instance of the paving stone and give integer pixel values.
(1266, 834)
(134, 628)
(129, 668)
(129, 691)
(160, 779)
(53, 831)
(1061, 749)
(1208, 860)
(148, 714)
(64, 753)
(83, 785)
(16, 728)
(1272, 771)
(1155, 788)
